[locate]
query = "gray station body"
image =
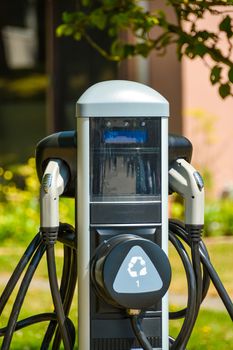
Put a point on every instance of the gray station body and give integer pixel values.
(122, 172)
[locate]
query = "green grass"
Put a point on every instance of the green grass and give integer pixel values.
(213, 330)
(9, 257)
(38, 298)
(31, 337)
(220, 251)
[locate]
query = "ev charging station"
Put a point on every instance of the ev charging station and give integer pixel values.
(119, 165)
(123, 191)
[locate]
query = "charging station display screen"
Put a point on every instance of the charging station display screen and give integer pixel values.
(125, 159)
(125, 136)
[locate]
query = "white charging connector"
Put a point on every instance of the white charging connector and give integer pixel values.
(54, 181)
(187, 181)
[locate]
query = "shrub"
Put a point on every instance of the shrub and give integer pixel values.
(218, 216)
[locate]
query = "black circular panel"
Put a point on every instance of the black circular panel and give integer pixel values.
(130, 272)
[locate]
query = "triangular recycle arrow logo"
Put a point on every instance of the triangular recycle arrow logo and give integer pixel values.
(137, 274)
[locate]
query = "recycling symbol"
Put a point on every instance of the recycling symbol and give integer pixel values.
(137, 274)
(137, 267)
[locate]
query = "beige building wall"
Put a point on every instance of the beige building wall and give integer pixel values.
(165, 74)
(208, 123)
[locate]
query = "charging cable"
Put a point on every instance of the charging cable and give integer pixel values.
(185, 180)
(54, 181)
(180, 239)
(135, 318)
(31, 258)
(178, 234)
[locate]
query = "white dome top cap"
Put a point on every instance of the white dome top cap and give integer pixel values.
(121, 98)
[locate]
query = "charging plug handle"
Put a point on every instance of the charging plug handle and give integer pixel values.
(185, 180)
(53, 184)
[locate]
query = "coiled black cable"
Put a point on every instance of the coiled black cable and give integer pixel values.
(18, 271)
(199, 272)
(34, 252)
(218, 285)
(56, 296)
(194, 238)
(68, 295)
(206, 278)
(20, 296)
(67, 236)
(47, 316)
(207, 266)
(180, 232)
(29, 321)
(189, 319)
(140, 335)
(64, 282)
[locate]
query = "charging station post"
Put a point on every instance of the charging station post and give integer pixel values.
(122, 196)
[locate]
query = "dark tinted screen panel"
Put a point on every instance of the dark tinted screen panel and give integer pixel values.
(125, 159)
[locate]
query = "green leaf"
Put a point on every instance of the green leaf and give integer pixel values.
(64, 29)
(121, 20)
(77, 36)
(224, 90)
(71, 17)
(59, 30)
(149, 22)
(190, 52)
(85, 2)
(215, 74)
(230, 74)
(117, 48)
(226, 26)
(112, 32)
(200, 50)
(205, 34)
(110, 3)
(98, 19)
(129, 50)
(67, 17)
(142, 49)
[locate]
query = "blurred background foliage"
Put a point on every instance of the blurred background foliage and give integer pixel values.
(28, 86)
(19, 207)
(218, 215)
(151, 30)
